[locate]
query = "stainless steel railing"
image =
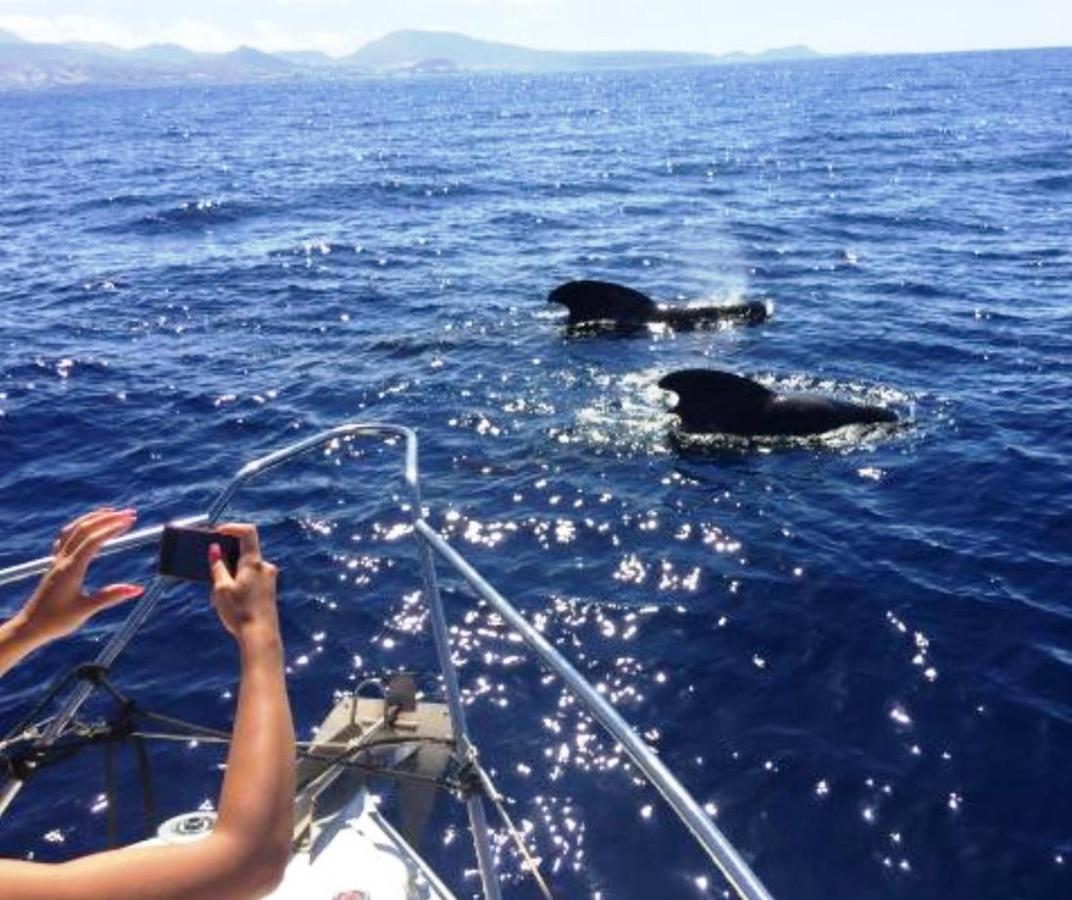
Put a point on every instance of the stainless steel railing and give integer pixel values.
(707, 834)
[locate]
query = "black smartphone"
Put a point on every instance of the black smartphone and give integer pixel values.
(184, 552)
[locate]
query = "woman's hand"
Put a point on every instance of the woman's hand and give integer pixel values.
(60, 604)
(246, 601)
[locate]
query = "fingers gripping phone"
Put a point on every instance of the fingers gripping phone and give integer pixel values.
(184, 552)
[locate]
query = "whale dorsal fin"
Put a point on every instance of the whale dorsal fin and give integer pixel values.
(713, 401)
(603, 301)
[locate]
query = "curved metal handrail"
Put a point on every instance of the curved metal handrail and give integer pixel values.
(707, 834)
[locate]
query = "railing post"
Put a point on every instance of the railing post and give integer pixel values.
(440, 634)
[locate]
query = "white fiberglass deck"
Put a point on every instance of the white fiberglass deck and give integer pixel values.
(356, 855)
(359, 856)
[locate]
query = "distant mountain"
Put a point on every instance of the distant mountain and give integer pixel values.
(403, 50)
(254, 60)
(25, 65)
(166, 54)
(311, 58)
(28, 65)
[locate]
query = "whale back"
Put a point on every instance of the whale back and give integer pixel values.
(713, 401)
(803, 414)
(603, 301)
(749, 312)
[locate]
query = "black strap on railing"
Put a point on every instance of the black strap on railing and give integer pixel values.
(145, 779)
(91, 672)
(26, 758)
(470, 783)
(110, 792)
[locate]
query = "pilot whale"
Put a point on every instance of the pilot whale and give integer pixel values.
(603, 303)
(713, 402)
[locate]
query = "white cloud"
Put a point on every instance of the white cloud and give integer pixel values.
(63, 29)
(193, 33)
(272, 36)
(60, 29)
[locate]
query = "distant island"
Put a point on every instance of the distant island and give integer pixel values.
(28, 65)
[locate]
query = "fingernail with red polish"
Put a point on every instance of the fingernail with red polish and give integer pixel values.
(215, 554)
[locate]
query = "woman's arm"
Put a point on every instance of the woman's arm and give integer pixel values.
(246, 853)
(16, 641)
(258, 793)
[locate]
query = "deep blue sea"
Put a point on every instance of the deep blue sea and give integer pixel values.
(857, 651)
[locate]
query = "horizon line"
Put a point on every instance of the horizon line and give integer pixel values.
(341, 56)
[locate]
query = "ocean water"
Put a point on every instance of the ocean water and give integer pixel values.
(858, 652)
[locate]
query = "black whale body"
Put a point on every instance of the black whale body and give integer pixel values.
(603, 302)
(713, 402)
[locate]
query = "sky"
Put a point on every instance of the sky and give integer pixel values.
(714, 26)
